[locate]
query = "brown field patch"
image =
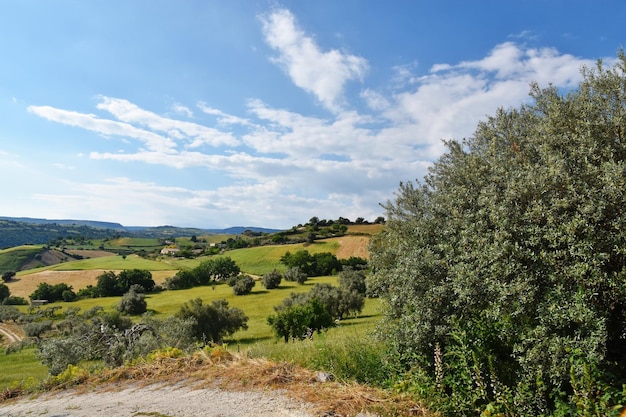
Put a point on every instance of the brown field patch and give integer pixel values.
(368, 229)
(25, 285)
(353, 246)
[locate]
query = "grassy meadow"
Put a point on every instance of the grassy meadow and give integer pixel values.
(258, 339)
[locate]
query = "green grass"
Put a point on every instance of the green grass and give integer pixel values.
(258, 338)
(20, 366)
(264, 259)
(110, 263)
(11, 259)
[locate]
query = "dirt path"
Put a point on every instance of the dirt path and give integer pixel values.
(163, 400)
(9, 335)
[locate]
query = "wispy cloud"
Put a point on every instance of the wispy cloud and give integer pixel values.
(223, 118)
(280, 161)
(104, 127)
(195, 133)
(322, 73)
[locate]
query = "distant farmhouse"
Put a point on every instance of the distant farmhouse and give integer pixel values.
(170, 251)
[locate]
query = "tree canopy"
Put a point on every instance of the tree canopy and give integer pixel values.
(504, 270)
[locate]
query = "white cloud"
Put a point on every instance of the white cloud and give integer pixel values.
(223, 118)
(104, 126)
(178, 108)
(322, 73)
(285, 166)
(195, 133)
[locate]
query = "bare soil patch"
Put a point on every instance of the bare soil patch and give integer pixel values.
(10, 333)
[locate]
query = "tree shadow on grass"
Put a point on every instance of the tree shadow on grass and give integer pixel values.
(248, 340)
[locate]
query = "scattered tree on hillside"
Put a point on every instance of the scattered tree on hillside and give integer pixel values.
(299, 321)
(132, 303)
(217, 269)
(272, 280)
(8, 276)
(52, 293)
(5, 292)
(242, 284)
(130, 277)
(353, 280)
(507, 262)
(107, 285)
(295, 274)
(324, 263)
(184, 278)
(213, 321)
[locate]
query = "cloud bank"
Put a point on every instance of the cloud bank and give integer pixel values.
(283, 167)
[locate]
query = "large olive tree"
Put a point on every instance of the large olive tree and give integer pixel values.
(503, 272)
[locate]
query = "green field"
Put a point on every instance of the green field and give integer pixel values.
(258, 337)
(258, 305)
(264, 259)
(11, 259)
(20, 367)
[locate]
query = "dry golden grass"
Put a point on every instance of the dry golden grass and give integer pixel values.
(217, 368)
(353, 246)
(24, 285)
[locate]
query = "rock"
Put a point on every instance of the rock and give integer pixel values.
(325, 377)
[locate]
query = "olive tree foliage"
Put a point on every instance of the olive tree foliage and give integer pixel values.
(242, 284)
(212, 322)
(132, 303)
(216, 269)
(511, 254)
(272, 280)
(295, 274)
(300, 320)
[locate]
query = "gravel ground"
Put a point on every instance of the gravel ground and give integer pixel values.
(158, 400)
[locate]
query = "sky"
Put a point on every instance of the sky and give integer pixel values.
(211, 114)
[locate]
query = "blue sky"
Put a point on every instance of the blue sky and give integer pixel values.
(262, 113)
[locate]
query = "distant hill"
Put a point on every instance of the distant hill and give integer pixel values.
(16, 231)
(90, 223)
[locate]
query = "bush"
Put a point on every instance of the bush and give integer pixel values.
(243, 285)
(272, 280)
(300, 321)
(4, 292)
(503, 272)
(352, 280)
(132, 303)
(52, 293)
(295, 274)
(9, 313)
(213, 321)
(15, 301)
(8, 276)
(183, 279)
(37, 328)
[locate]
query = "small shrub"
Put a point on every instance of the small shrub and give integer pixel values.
(272, 280)
(15, 301)
(244, 285)
(295, 274)
(8, 276)
(132, 303)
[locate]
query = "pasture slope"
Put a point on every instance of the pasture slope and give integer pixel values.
(255, 261)
(228, 385)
